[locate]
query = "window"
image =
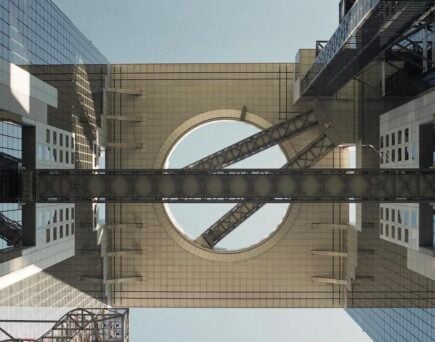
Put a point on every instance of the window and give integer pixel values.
(387, 230)
(66, 157)
(387, 140)
(381, 213)
(414, 151)
(406, 135)
(393, 139)
(387, 214)
(60, 139)
(406, 217)
(399, 216)
(382, 141)
(72, 142)
(67, 229)
(60, 156)
(393, 215)
(54, 154)
(67, 214)
(54, 138)
(60, 232)
(399, 233)
(399, 137)
(47, 235)
(381, 229)
(72, 228)
(60, 215)
(399, 154)
(72, 213)
(55, 217)
(54, 233)
(72, 157)
(406, 235)
(47, 136)
(414, 219)
(66, 141)
(393, 156)
(393, 232)
(406, 153)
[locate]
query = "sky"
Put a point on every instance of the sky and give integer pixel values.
(189, 31)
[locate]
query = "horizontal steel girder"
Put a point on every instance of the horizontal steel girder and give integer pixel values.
(257, 142)
(305, 158)
(238, 185)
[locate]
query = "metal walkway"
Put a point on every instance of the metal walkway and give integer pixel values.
(366, 31)
(232, 186)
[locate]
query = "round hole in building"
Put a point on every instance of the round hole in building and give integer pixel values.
(193, 219)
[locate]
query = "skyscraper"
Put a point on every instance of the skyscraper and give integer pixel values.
(99, 220)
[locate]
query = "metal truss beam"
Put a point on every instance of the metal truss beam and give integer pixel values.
(90, 324)
(238, 185)
(10, 231)
(257, 142)
(312, 153)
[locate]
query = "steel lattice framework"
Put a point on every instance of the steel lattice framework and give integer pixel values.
(232, 186)
(10, 231)
(257, 142)
(307, 157)
(80, 324)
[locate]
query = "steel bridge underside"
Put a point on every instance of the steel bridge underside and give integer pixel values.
(369, 28)
(231, 186)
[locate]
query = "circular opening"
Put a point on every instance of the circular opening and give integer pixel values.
(193, 219)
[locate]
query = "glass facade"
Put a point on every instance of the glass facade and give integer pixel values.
(37, 32)
(396, 324)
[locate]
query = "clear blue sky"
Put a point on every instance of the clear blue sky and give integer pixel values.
(183, 31)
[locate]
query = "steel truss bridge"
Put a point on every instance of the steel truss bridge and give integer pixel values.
(235, 185)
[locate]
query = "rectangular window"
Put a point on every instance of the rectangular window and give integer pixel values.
(399, 137)
(47, 136)
(60, 139)
(393, 232)
(54, 154)
(72, 228)
(72, 213)
(60, 232)
(60, 215)
(60, 156)
(406, 135)
(54, 138)
(72, 142)
(47, 235)
(54, 233)
(382, 142)
(66, 157)
(387, 230)
(399, 216)
(66, 141)
(406, 217)
(399, 154)
(414, 219)
(414, 151)
(393, 215)
(406, 153)
(67, 214)
(387, 214)
(393, 155)
(72, 157)
(381, 229)
(67, 229)
(393, 139)
(399, 233)
(381, 213)
(387, 140)
(406, 235)
(55, 217)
